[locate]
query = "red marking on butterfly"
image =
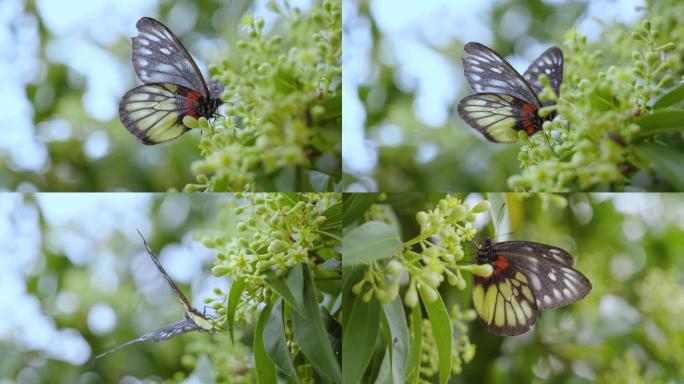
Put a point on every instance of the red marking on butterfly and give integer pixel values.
(529, 112)
(190, 101)
(500, 264)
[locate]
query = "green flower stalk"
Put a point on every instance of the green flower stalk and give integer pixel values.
(283, 125)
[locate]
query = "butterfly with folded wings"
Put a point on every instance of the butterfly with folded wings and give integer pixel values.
(194, 320)
(506, 102)
(526, 277)
(174, 87)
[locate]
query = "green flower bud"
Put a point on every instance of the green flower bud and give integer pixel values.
(482, 206)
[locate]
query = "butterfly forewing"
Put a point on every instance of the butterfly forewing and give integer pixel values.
(154, 112)
(487, 72)
(549, 63)
(498, 117)
(164, 333)
(179, 294)
(554, 282)
(158, 57)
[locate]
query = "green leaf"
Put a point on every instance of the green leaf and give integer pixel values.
(413, 367)
(373, 240)
(319, 181)
(441, 330)
(673, 96)
(668, 120)
(358, 342)
(290, 287)
(275, 342)
(265, 369)
(385, 372)
(233, 301)
(311, 335)
(350, 276)
(668, 161)
(334, 216)
(355, 204)
(398, 344)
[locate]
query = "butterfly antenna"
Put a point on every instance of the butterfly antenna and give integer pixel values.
(546, 138)
(499, 218)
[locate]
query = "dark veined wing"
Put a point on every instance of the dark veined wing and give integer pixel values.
(504, 301)
(487, 72)
(154, 112)
(184, 300)
(549, 269)
(164, 333)
(158, 57)
(498, 117)
(549, 63)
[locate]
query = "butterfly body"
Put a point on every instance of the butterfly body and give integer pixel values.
(174, 87)
(526, 277)
(505, 101)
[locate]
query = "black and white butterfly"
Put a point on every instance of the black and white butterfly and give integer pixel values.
(506, 102)
(194, 320)
(174, 87)
(527, 277)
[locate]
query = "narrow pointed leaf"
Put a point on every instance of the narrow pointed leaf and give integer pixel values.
(673, 96)
(399, 343)
(311, 335)
(265, 369)
(275, 342)
(233, 301)
(667, 120)
(358, 342)
(413, 368)
(441, 330)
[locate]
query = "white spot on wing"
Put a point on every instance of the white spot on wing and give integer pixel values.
(552, 276)
(165, 51)
(535, 281)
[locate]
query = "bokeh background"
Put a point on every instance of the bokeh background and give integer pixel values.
(64, 66)
(403, 80)
(627, 330)
(76, 281)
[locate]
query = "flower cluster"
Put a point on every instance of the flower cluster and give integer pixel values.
(428, 257)
(273, 232)
(607, 86)
(284, 106)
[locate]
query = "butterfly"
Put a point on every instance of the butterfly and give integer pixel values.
(174, 87)
(506, 102)
(194, 320)
(527, 277)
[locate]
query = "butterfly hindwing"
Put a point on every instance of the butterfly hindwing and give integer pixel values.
(499, 117)
(504, 301)
(549, 63)
(158, 57)
(154, 112)
(487, 72)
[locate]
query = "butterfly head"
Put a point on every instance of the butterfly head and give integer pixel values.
(485, 252)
